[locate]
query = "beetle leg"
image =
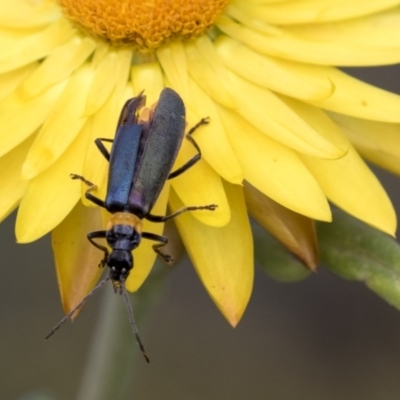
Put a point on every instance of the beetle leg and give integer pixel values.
(203, 121)
(81, 178)
(156, 247)
(92, 187)
(99, 235)
(102, 148)
(194, 159)
(163, 218)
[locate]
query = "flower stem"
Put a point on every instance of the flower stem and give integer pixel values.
(110, 365)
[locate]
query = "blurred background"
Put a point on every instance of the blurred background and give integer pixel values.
(322, 338)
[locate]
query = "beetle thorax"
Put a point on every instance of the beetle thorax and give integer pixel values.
(123, 234)
(124, 231)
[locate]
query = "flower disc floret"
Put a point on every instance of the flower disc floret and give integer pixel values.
(145, 24)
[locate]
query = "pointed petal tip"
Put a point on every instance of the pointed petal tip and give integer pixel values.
(24, 237)
(311, 265)
(234, 322)
(233, 314)
(231, 303)
(308, 258)
(391, 231)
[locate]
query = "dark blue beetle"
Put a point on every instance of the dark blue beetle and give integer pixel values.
(142, 156)
(141, 160)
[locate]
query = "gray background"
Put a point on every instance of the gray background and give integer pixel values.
(323, 338)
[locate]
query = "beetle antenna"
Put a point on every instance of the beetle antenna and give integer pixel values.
(78, 306)
(132, 320)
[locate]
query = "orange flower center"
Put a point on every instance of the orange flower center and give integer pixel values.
(145, 24)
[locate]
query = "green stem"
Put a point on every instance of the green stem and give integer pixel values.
(113, 353)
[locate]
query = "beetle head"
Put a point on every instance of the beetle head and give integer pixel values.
(120, 263)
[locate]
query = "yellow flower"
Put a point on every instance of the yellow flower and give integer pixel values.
(283, 121)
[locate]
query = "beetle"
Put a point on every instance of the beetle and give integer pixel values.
(140, 162)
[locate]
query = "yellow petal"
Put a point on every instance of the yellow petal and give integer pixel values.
(75, 257)
(317, 11)
(293, 79)
(12, 188)
(212, 138)
(271, 115)
(350, 184)
(173, 62)
(33, 111)
(123, 70)
(201, 185)
(60, 64)
(376, 36)
(223, 257)
(174, 247)
(63, 125)
(100, 53)
(35, 47)
(341, 43)
(296, 232)
(356, 98)
(205, 66)
(104, 79)
(378, 142)
(20, 13)
(52, 195)
(324, 87)
(275, 169)
(320, 122)
(11, 80)
(8, 36)
(147, 77)
(144, 255)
